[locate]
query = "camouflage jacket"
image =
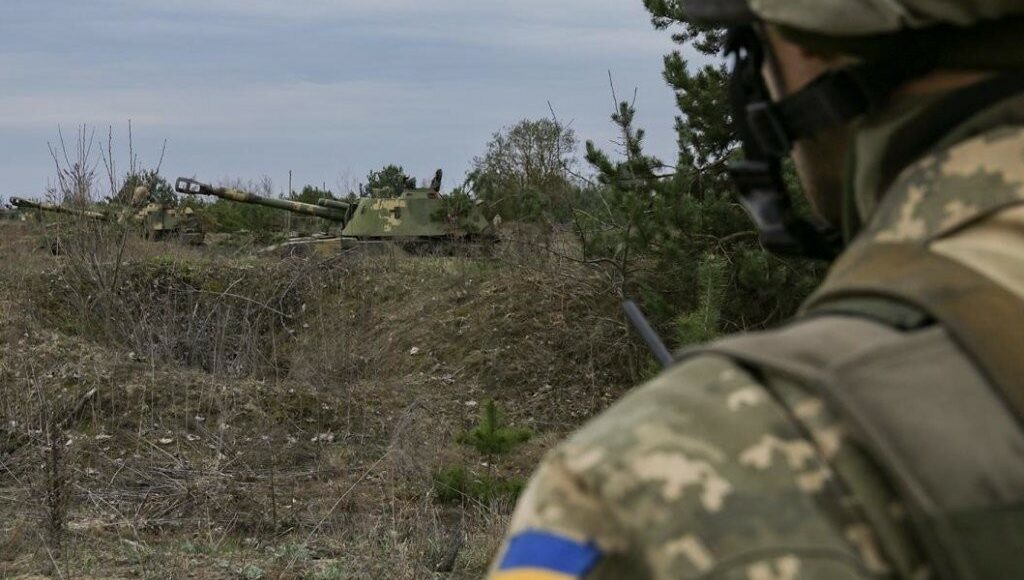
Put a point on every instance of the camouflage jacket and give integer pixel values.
(718, 469)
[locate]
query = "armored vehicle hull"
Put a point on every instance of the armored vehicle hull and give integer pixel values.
(158, 222)
(418, 216)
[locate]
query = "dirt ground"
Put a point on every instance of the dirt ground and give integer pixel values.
(170, 411)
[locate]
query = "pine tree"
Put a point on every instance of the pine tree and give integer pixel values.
(674, 237)
(389, 181)
(491, 435)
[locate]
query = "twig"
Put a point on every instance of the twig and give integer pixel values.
(246, 299)
(330, 512)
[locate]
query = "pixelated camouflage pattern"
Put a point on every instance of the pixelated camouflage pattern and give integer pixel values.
(702, 473)
(414, 214)
(157, 221)
(952, 188)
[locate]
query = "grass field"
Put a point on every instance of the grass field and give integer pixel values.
(171, 411)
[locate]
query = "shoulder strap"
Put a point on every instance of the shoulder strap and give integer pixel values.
(985, 319)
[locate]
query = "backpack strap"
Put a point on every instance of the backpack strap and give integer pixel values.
(985, 319)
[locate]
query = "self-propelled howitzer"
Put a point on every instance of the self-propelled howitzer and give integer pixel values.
(415, 220)
(21, 203)
(193, 187)
(153, 221)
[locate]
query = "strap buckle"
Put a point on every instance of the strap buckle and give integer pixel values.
(781, 230)
(761, 197)
(768, 127)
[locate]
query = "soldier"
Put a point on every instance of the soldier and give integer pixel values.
(879, 434)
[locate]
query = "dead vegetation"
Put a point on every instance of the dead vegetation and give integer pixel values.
(169, 412)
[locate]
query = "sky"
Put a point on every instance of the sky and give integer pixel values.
(327, 89)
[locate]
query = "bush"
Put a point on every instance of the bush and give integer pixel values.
(215, 315)
(455, 208)
(703, 323)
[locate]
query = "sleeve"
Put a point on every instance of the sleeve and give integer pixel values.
(700, 473)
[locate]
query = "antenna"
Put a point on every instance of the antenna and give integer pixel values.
(647, 332)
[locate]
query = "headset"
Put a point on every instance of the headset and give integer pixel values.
(767, 130)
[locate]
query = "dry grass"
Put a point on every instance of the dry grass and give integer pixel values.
(235, 416)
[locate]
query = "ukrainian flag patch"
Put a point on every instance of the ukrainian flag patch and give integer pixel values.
(536, 555)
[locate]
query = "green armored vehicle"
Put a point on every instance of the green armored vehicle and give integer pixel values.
(154, 221)
(27, 204)
(159, 222)
(418, 215)
(418, 218)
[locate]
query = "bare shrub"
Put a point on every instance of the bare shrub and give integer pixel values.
(254, 415)
(218, 316)
(94, 248)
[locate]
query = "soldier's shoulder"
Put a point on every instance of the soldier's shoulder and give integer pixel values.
(952, 186)
(700, 416)
(707, 383)
(696, 470)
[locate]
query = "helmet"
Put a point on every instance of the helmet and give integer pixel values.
(926, 34)
(852, 17)
(966, 34)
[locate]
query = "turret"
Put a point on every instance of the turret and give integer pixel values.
(21, 203)
(193, 187)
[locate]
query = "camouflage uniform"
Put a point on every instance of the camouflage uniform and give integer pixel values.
(726, 468)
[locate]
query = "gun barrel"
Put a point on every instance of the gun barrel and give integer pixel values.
(193, 187)
(334, 204)
(22, 203)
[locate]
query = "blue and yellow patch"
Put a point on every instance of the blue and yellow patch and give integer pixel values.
(536, 555)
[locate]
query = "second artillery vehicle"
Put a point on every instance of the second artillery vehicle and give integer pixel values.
(28, 204)
(416, 219)
(154, 221)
